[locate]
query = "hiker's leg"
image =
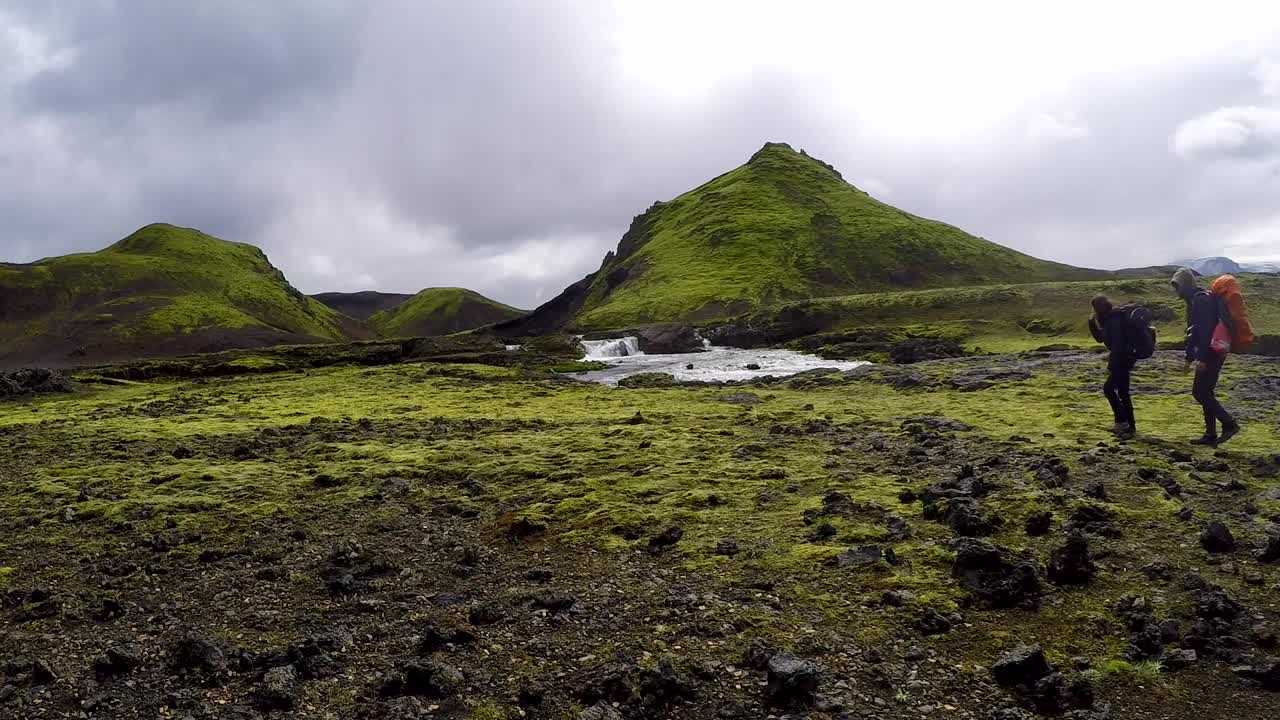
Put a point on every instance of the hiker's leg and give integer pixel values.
(1219, 412)
(1113, 396)
(1123, 376)
(1202, 391)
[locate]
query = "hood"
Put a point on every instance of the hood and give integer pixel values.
(1184, 281)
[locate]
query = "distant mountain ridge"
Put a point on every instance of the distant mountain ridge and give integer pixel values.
(361, 305)
(1219, 265)
(784, 226)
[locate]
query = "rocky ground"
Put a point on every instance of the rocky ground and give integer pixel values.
(955, 539)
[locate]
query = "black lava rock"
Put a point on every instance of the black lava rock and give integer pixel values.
(792, 682)
(1216, 537)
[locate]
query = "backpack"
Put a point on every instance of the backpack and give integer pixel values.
(1139, 334)
(1232, 312)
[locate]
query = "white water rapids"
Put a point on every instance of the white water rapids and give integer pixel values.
(717, 364)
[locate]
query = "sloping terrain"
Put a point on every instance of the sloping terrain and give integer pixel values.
(782, 227)
(441, 311)
(993, 318)
(163, 290)
(360, 305)
(466, 541)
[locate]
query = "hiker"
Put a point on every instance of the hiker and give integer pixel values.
(1204, 312)
(1111, 327)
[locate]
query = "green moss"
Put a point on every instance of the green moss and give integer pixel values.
(5, 574)
(441, 311)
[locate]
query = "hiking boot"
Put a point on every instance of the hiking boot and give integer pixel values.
(1229, 432)
(1208, 440)
(1124, 430)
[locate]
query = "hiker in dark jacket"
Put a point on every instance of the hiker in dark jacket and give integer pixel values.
(1110, 327)
(1204, 312)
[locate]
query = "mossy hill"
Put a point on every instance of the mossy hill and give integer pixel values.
(162, 290)
(441, 311)
(784, 226)
(361, 305)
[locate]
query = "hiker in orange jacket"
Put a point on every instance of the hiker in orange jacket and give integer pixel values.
(1203, 315)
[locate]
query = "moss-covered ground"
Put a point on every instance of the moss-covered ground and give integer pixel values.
(1014, 318)
(224, 507)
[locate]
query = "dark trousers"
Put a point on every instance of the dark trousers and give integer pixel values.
(1204, 391)
(1116, 388)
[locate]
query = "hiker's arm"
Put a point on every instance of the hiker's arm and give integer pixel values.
(1096, 331)
(1204, 319)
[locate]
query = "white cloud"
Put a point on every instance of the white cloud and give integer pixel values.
(1051, 128)
(1267, 73)
(1244, 133)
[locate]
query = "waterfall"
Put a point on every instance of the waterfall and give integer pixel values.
(618, 347)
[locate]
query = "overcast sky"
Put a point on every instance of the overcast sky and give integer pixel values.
(505, 146)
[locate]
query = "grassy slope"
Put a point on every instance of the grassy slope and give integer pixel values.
(160, 281)
(441, 311)
(782, 227)
(997, 318)
(566, 455)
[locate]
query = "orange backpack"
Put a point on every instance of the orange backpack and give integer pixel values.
(1226, 290)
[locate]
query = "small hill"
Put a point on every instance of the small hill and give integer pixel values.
(441, 311)
(361, 305)
(782, 227)
(163, 290)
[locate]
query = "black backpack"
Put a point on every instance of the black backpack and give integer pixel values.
(1139, 334)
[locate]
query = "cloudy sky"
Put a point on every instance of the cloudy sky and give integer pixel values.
(505, 146)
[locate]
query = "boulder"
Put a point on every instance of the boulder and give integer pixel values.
(1021, 667)
(996, 578)
(1216, 537)
(669, 339)
(279, 688)
(792, 682)
(1071, 564)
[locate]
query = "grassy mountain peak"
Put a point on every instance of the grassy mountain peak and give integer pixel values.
(441, 311)
(785, 226)
(161, 290)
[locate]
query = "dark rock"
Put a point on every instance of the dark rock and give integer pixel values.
(538, 575)
(996, 578)
(183, 452)
(792, 682)
(1270, 550)
(1263, 636)
(432, 637)
(423, 678)
(964, 516)
(1217, 605)
(1096, 490)
(1212, 466)
(1216, 537)
(555, 602)
(756, 655)
(665, 539)
(898, 598)
(669, 340)
(278, 689)
(1180, 658)
(1071, 564)
(1265, 673)
(865, 555)
(1049, 696)
(664, 685)
(116, 661)
(1021, 667)
(752, 366)
(823, 531)
(1170, 631)
(268, 574)
(1158, 570)
(1039, 522)
(325, 480)
(196, 653)
(486, 614)
(934, 422)
(1093, 519)
(932, 622)
(727, 548)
